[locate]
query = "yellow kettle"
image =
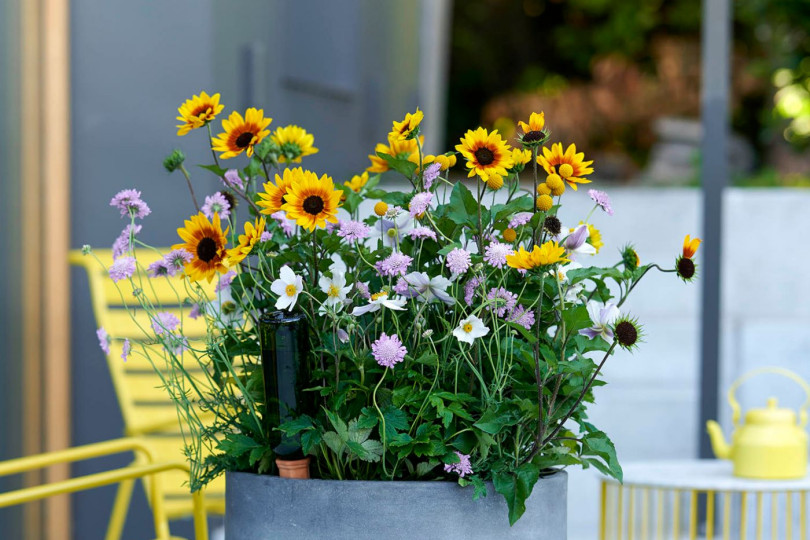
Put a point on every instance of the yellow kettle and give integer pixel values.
(771, 444)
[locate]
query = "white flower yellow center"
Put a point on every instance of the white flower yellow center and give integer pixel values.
(333, 291)
(377, 296)
(290, 290)
(391, 233)
(467, 327)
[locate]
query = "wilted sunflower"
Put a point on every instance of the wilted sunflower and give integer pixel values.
(570, 166)
(406, 129)
(294, 142)
(241, 134)
(486, 153)
(533, 132)
(395, 148)
(274, 195)
(206, 242)
(253, 232)
(311, 201)
(197, 111)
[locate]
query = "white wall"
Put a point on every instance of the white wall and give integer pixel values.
(650, 405)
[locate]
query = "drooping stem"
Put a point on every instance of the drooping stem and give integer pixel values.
(211, 144)
(190, 187)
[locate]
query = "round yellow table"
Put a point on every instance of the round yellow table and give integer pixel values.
(664, 500)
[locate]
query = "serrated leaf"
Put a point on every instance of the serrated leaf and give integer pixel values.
(516, 486)
(463, 206)
(334, 442)
(402, 166)
(339, 425)
(480, 487)
(374, 450)
(599, 444)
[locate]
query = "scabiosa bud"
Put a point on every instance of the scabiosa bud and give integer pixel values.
(627, 332)
(552, 225)
(86, 249)
(685, 268)
(174, 160)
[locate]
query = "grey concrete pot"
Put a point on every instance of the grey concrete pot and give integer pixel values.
(261, 507)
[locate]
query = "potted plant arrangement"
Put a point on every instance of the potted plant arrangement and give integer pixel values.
(390, 346)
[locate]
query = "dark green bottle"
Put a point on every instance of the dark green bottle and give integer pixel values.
(284, 339)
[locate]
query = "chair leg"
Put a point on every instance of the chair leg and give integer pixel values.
(120, 509)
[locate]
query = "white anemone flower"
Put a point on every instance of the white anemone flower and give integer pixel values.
(602, 316)
(223, 309)
(470, 328)
(426, 288)
(561, 274)
(335, 289)
(378, 301)
(287, 287)
(575, 240)
(337, 265)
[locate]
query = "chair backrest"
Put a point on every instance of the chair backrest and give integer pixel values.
(144, 401)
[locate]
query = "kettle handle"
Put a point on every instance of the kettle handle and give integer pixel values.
(735, 406)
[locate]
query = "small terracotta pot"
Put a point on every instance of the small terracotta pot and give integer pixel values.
(296, 468)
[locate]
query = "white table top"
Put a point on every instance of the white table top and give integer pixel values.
(702, 475)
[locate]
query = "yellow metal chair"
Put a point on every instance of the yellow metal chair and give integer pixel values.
(148, 469)
(147, 409)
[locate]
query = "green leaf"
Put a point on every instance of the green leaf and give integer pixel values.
(402, 166)
(293, 427)
(374, 450)
(334, 442)
(480, 487)
(516, 486)
(395, 420)
(309, 440)
(339, 425)
(598, 444)
(463, 206)
(216, 169)
(424, 467)
(503, 211)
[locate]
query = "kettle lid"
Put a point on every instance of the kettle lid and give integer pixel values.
(770, 415)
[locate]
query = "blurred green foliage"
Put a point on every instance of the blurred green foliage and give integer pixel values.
(543, 45)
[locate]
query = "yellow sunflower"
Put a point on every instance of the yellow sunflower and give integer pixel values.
(594, 237)
(274, 195)
(395, 148)
(197, 111)
(533, 133)
(405, 129)
(241, 134)
(357, 182)
(206, 241)
(487, 154)
(547, 254)
(690, 246)
(311, 202)
(253, 232)
(571, 166)
(294, 141)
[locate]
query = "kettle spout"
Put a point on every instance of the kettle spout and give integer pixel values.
(721, 448)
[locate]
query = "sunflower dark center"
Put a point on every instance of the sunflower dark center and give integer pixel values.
(533, 136)
(206, 249)
(244, 139)
(484, 156)
(313, 205)
(626, 333)
(686, 268)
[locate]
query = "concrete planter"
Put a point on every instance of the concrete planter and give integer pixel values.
(261, 507)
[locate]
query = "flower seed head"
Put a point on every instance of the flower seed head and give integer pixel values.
(685, 268)
(552, 225)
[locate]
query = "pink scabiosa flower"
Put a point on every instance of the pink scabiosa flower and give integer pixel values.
(462, 468)
(430, 174)
(126, 350)
(265, 237)
(496, 252)
(602, 200)
(458, 261)
(420, 203)
(158, 269)
(501, 301)
(232, 179)
(520, 315)
(175, 344)
(165, 322)
(286, 224)
(388, 350)
(225, 281)
(520, 219)
(103, 340)
(176, 260)
(353, 230)
(216, 204)
(469, 290)
(362, 289)
(395, 264)
(421, 233)
(122, 268)
(122, 244)
(129, 202)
